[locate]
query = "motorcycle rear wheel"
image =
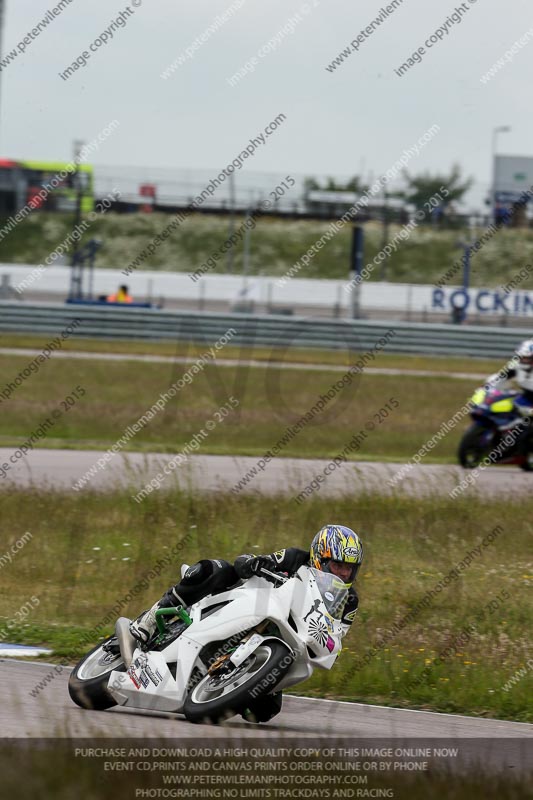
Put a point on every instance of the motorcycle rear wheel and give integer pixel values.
(527, 463)
(219, 696)
(87, 684)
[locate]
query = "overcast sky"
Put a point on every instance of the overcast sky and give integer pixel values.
(362, 115)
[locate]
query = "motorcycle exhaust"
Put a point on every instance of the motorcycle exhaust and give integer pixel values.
(126, 642)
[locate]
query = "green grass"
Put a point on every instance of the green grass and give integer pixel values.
(275, 246)
(119, 393)
(88, 551)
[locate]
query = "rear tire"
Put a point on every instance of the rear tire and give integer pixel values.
(87, 685)
(219, 696)
(471, 451)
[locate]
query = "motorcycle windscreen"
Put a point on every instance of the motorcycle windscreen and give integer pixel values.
(479, 396)
(333, 591)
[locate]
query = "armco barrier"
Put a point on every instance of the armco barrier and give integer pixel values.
(99, 322)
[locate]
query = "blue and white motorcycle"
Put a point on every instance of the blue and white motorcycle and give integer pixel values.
(499, 433)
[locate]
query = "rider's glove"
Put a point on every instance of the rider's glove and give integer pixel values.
(253, 566)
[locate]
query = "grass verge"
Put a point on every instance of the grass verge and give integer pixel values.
(120, 392)
(290, 355)
(89, 551)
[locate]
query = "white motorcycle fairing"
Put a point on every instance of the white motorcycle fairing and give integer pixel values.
(305, 609)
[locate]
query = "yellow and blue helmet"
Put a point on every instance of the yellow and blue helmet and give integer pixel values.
(336, 543)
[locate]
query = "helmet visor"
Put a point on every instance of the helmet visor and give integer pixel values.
(343, 570)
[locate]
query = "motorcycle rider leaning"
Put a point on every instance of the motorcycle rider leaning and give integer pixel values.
(335, 549)
(519, 369)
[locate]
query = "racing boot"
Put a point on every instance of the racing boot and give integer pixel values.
(262, 709)
(143, 628)
(207, 576)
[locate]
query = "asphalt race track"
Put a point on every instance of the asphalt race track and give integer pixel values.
(62, 468)
(52, 713)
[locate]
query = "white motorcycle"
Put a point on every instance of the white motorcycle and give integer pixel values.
(227, 650)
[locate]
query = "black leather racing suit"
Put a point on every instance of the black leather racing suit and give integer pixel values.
(289, 561)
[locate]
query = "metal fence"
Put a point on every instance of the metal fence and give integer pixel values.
(99, 322)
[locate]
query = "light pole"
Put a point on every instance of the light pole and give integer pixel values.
(495, 132)
(246, 253)
(230, 256)
(78, 185)
(356, 264)
(76, 272)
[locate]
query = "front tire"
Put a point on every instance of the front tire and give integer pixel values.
(223, 694)
(472, 449)
(87, 685)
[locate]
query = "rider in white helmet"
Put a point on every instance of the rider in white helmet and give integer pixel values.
(519, 369)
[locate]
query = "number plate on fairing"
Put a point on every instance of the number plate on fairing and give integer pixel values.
(245, 649)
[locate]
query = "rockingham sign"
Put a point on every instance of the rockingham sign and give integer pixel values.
(482, 301)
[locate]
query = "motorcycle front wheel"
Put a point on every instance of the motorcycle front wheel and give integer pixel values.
(527, 463)
(87, 684)
(474, 447)
(229, 691)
